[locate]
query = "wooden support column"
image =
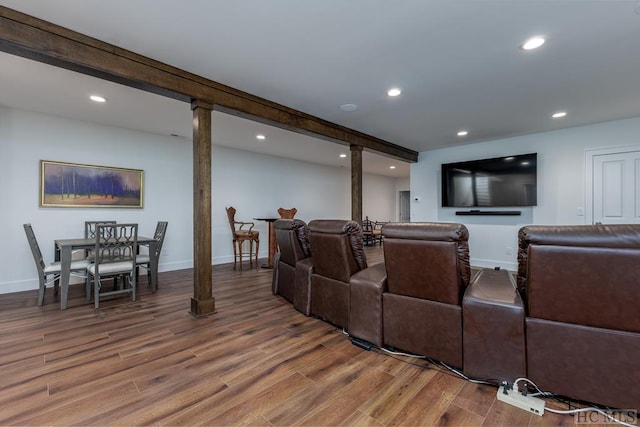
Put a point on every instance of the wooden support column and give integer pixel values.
(356, 183)
(202, 302)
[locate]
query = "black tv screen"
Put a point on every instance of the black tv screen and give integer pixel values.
(499, 182)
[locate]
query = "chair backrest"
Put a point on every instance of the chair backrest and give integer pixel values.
(287, 213)
(90, 228)
(293, 240)
(338, 251)
(161, 230)
(231, 214)
(367, 225)
(116, 243)
(581, 274)
(35, 248)
(427, 260)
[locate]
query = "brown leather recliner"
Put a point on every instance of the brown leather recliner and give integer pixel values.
(427, 266)
(338, 254)
(292, 264)
(581, 287)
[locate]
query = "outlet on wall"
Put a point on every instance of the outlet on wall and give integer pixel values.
(508, 250)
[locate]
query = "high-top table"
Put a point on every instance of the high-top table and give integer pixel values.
(272, 241)
(64, 247)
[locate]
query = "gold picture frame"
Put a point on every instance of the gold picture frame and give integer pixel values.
(75, 185)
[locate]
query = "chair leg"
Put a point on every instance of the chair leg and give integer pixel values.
(41, 290)
(257, 250)
(240, 242)
(87, 287)
(235, 255)
(250, 253)
(96, 292)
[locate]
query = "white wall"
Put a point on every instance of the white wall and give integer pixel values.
(378, 198)
(561, 184)
(257, 185)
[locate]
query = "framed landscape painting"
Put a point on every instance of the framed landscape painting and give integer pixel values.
(72, 185)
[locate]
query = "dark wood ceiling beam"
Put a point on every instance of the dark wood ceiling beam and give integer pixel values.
(30, 37)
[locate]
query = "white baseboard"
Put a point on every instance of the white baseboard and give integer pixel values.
(489, 263)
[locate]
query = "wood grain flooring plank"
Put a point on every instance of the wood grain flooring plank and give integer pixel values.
(430, 403)
(162, 400)
(73, 412)
(267, 399)
(384, 406)
(333, 383)
(212, 406)
(361, 419)
(337, 409)
(457, 416)
(476, 398)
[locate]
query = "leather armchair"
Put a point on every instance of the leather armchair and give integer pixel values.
(292, 264)
(581, 289)
(338, 254)
(427, 266)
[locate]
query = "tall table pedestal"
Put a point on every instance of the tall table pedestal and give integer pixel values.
(272, 241)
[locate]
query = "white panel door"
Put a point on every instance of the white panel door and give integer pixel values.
(405, 206)
(616, 188)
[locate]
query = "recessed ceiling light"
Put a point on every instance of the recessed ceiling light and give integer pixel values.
(392, 167)
(559, 114)
(98, 98)
(394, 91)
(508, 159)
(348, 107)
(533, 43)
(463, 133)
(524, 163)
(261, 136)
(343, 156)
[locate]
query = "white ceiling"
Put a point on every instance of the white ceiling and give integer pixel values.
(458, 63)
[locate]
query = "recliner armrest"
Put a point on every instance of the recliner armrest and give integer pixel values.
(365, 303)
(493, 327)
(302, 295)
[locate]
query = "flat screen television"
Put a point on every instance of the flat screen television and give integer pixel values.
(507, 181)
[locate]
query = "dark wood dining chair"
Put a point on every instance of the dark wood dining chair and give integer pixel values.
(287, 213)
(242, 231)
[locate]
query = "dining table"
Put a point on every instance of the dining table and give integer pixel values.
(65, 247)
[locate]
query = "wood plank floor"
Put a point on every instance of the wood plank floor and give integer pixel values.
(256, 361)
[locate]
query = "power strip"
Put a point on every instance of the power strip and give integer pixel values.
(528, 403)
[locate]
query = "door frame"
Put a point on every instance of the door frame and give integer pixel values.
(589, 155)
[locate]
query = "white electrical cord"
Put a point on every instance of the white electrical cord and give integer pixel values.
(397, 353)
(455, 371)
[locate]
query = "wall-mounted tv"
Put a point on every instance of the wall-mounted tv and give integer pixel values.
(507, 181)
